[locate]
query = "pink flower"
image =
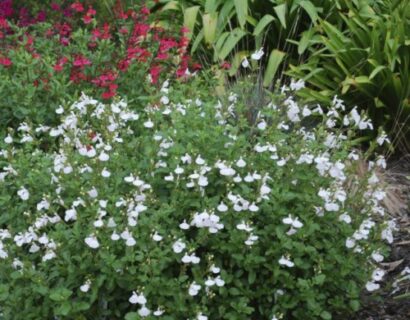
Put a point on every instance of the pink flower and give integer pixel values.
(77, 6)
(6, 62)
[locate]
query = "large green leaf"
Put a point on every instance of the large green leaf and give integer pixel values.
(267, 18)
(280, 11)
(230, 43)
(275, 60)
(310, 9)
(209, 21)
(241, 7)
(190, 16)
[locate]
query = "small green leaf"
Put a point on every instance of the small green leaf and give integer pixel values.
(326, 315)
(275, 59)
(60, 294)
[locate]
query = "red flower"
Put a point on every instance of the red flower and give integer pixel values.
(6, 62)
(154, 73)
(162, 56)
(108, 94)
(77, 6)
(166, 44)
(87, 19)
(81, 61)
(58, 68)
(225, 65)
(145, 11)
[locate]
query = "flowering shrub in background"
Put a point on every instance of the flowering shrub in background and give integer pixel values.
(45, 62)
(184, 209)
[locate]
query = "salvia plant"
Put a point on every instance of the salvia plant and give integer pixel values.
(185, 209)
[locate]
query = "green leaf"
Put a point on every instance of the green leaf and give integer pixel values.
(190, 15)
(230, 43)
(275, 59)
(63, 309)
(172, 5)
(376, 71)
(131, 316)
(310, 9)
(281, 13)
(241, 7)
(326, 315)
(210, 6)
(60, 294)
(267, 18)
(304, 40)
(209, 21)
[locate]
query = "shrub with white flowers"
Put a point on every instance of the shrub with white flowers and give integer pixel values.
(187, 210)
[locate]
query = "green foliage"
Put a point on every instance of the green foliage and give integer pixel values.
(234, 29)
(365, 59)
(122, 211)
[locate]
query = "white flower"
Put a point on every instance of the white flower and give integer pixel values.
(156, 237)
(257, 55)
(158, 312)
(8, 139)
(297, 85)
(164, 100)
(86, 286)
(294, 222)
(203, 181)
(23, 193)
(240, 163)
(371, 286)
(178, 246)
(222, 207)
(144, 311)
(199, 160)
(130, 242)
(227, 171)
(376, 256)
(201, 317)
(184, 225)
(105, 173)
(92, 242)
(104, 156)
(60, 110)
(245, 63)
(194, 289)
(148, 124)
(286, 262)
(137, 298)
(350, 243)
(43, 204)
(382, 138)
(70, 215)
(345, 218)
(115, 236)
(93, 193)
(262, 125)
(378, 274)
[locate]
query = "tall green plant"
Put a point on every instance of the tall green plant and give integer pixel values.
(233, 29)
(365, 59)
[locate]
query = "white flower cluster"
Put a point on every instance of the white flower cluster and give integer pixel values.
(114, 190)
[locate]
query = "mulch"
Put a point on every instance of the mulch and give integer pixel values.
(392, 301)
